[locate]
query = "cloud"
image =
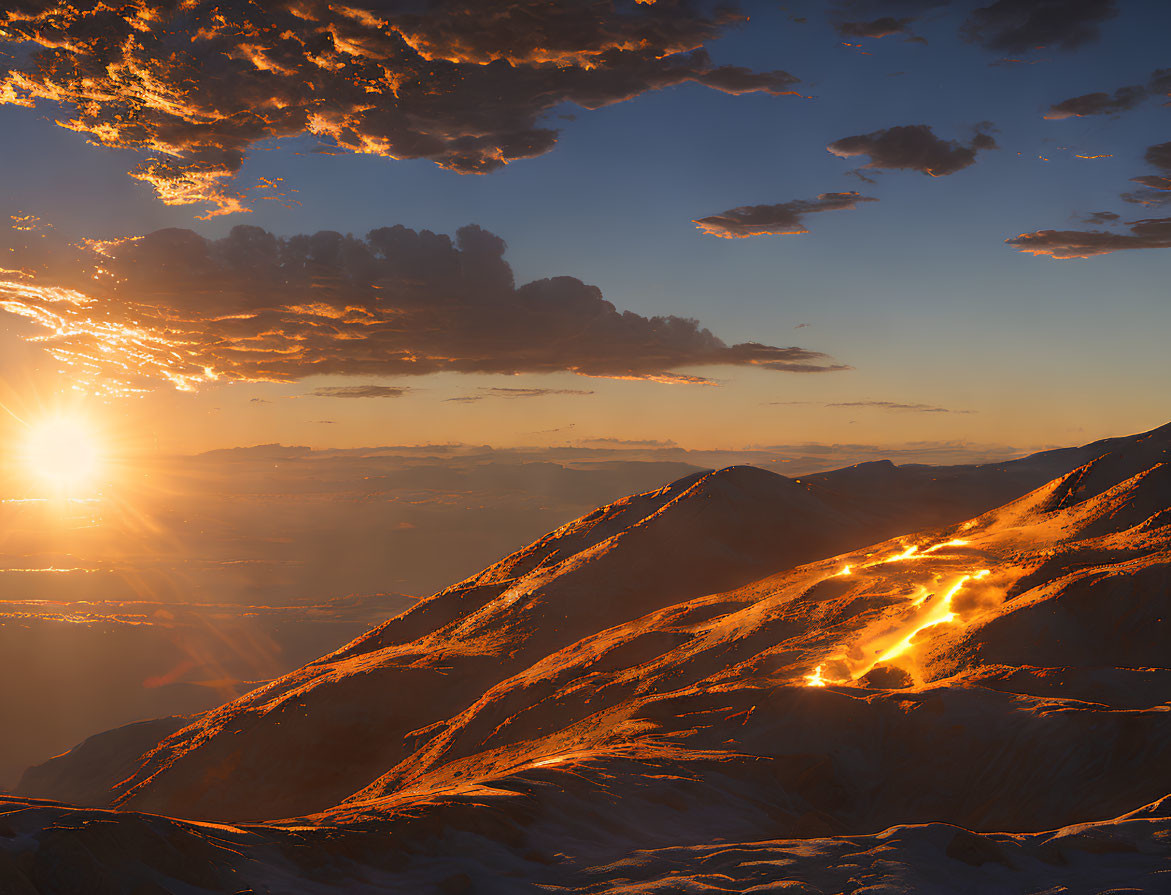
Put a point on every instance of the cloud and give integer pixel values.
(1157, 187)
(775, 220)
(878, 405)
(499, 392)
(1148, 233)
(358, 391)
(1159, 156)
(1151, 233)
(1005, 26)
(1160, 82)
(1016, 26)
(513, 393)
(893, 405)
(601, 441)
(466, 84)
(175, 307)
(1098, 103)
(554, 431)
(912, 147)
(1123, 99)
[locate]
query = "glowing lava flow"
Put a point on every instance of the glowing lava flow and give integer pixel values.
(940, 615)
(816, 679)
(881, 647)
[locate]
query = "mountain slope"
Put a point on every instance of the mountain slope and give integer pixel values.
(552, 651)
(49, 849)
(722, 679)
(311, 738)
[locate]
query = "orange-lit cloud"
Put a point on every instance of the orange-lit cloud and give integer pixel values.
(1151, 233)
(1123, 99)
(1148, 233)
(1097, 103)
(175, 307)
(194, 85)
(775, 220)
(913, 147)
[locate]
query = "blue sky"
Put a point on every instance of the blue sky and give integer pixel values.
(918, 291)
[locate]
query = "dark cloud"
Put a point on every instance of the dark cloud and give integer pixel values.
(813, 365)
(1157, 187)
(358, 391)
(464, 83)
(1016, 26)
(1101, 217)
(1005, 26)
(775, 220)
(1098, 103)
(880, 27)
(1159, 156)
(174, 306)
(1156, 191)
(912, 147)
(1123, 99)
(1151, 233)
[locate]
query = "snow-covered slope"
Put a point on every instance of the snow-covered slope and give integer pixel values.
(473, 849)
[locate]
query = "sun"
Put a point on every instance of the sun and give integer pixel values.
(65, 453)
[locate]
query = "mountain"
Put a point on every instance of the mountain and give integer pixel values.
(87, 772)
(320, 734)
(699, 689)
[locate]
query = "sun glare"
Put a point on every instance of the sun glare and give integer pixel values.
(64, 453)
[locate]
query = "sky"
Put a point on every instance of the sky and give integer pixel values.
(870, 222)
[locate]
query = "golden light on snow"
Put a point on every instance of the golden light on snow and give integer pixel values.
(65, 453)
